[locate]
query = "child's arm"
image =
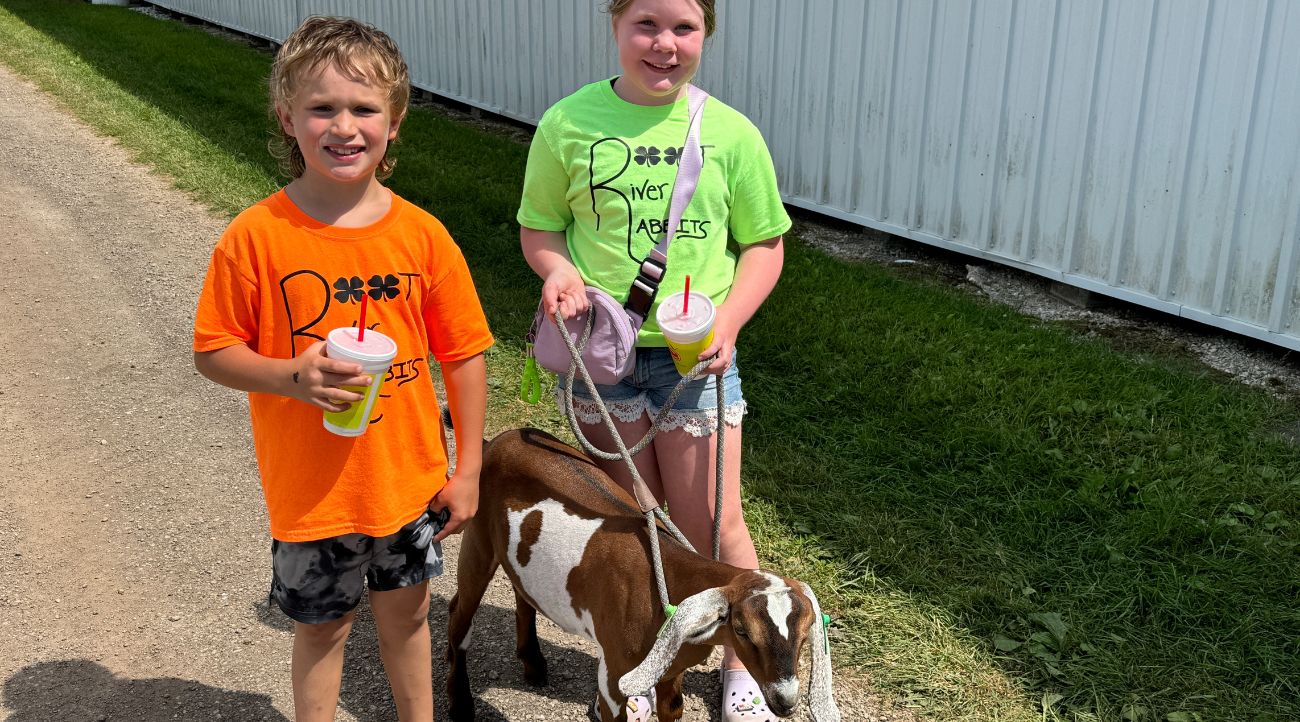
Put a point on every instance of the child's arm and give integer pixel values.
(547, 254)
(757, 271)
(312, 378)
(466, 382)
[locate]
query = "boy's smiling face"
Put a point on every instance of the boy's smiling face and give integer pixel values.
(342, 126)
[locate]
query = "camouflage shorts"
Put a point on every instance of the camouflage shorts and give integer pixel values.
(321, 581)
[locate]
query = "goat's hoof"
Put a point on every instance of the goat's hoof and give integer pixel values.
(534, 665)
(535, 674)
(461, 712)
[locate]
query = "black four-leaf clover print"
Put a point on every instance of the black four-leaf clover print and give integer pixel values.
(650, 156)
(348, 290)
(647, 156)
(382, 289)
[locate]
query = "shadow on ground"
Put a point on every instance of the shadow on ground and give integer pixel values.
(365, 693)
(81, 690)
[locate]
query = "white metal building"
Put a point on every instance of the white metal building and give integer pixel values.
(1144, 149)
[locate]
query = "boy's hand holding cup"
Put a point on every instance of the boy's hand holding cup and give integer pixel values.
(374, 353)
(320, 380)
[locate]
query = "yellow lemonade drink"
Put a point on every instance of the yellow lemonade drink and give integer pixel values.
(375, 353)
(689, 333)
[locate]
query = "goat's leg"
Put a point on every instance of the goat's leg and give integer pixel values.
(527, 647)
(474, 571)
(605, 714)
(670, 705)
(611, 705)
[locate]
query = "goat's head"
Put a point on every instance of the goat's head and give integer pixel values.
(766, 619)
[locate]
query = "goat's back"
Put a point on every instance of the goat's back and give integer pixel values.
(560, 527)
(522, 467)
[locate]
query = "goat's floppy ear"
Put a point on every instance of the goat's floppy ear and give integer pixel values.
(697, 617)
(820, 700)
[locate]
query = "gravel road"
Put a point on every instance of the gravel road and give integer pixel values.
(134, 554)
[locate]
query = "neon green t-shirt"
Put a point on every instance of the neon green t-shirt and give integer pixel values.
(601, 170)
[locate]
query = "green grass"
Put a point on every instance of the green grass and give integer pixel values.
(1008, 521)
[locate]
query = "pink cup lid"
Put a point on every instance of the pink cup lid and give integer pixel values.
(700, 317)
(375, 347)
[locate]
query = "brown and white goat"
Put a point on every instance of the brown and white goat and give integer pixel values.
(576, 548)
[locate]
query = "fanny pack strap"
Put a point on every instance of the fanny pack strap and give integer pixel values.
(645, 286)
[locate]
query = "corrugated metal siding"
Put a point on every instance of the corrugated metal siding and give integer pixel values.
(1146, 149)
(270, 20)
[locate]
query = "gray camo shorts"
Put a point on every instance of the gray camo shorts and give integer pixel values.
(321, 581)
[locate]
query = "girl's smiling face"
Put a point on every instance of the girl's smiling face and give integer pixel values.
(342, 126)
(659, 46)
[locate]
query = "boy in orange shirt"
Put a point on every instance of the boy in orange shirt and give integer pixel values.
(348, 512)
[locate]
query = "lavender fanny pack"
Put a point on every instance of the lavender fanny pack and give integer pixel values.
(605, 336)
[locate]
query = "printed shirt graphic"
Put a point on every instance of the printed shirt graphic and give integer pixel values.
(279, 281)
(602, 170)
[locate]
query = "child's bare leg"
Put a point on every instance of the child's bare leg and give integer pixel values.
(691, 463)
(631, 432)
(318, 668)
(402, 621)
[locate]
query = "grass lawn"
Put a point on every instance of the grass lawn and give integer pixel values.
(1007, 520)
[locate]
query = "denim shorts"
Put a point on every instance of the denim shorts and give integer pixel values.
(647, 389)
(321, 581)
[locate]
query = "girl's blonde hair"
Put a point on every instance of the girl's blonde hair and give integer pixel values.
(360, 52)
(617, 7)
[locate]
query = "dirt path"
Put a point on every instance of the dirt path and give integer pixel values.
(133, 545)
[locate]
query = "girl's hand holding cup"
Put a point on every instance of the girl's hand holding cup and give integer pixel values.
(725, 332)
(689, 323)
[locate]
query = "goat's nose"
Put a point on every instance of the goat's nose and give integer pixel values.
(780, 708)
(782, 697)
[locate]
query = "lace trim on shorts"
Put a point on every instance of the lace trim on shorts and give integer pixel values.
(697, 422)
(589, 413)
(703, 422)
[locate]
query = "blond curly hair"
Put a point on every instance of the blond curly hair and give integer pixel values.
(360, 52)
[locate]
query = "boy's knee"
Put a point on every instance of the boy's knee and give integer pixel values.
(409, 620)
(325, 632)
(399, 629)
(405, 609)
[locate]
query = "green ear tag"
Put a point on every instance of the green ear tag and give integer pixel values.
(826, 631)
(530, 386)
(669, 610)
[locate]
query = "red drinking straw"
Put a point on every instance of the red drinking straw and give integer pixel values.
(361, 324)
(686, 299)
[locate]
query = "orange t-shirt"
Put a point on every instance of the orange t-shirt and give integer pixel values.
(279, 281)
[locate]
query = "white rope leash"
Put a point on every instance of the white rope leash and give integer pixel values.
(576, 366)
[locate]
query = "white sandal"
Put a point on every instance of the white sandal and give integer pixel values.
(742, 701)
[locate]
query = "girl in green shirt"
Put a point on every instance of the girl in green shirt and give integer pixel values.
(596, 191)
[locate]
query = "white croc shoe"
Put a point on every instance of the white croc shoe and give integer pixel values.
(741, 699)
(640, 708)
